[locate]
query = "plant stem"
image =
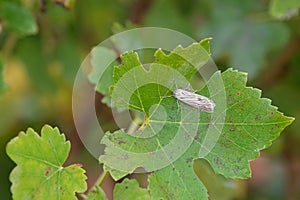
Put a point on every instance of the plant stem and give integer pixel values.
(134, 125)
(101, 178)
(83, 196)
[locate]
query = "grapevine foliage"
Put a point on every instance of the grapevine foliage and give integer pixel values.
(40, 173)
(250, 124)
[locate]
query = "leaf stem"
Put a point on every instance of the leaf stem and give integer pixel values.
(83, 196)
(134, 125)
(101, 178)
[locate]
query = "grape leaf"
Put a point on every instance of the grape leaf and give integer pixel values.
(96, 194)
(39, 173)
(218, 186)
(130, 190)
(284, 9)
(250, 125)
(22, 23)
(177, 62)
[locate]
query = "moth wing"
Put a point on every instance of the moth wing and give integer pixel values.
(195, 100)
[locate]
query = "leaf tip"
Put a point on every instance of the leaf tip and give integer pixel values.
(290, 120)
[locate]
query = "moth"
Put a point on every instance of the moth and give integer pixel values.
(195, 100)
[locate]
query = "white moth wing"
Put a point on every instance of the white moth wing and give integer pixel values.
(195, 100)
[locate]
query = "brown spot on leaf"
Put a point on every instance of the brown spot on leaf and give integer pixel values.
(121, 142)
(189, 160)
(217, 160)
(197, 138)
(48, 170)
(238, 94)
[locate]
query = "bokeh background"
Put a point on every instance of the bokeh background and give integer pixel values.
(43, 42)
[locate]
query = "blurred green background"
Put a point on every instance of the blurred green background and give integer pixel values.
(42, 44)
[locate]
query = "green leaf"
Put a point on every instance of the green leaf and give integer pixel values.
(18, 18)
(218, 186)
(96, 194)
(284, 9)
(175, 60)
(115, 174)
(130, 190)
(173, 135)
(178, 180)
(39, 173)
(197, 54)
(251, 125)
(285, 94)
